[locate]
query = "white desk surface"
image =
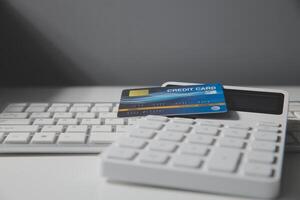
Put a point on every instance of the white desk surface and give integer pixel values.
(74, 177)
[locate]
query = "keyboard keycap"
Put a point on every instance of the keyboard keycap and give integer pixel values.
(132, 143)
(224, 159)
(52, 128)
(206, 130)
(194, 149)
(120, 153)
(186, 161)
(108, 115)
(71, 138)
(13, 115)
(15, 121)
(121, 128)
(177, 127)
(262, 170)
(261, 157)
(114, 121)
(150, 125)
(43, 122)
(101, 128)
(170, 136)
(268, 136)
(142, 133)
(57, 109)
(43, 138)
(235, 133)
(231, 142)
(102, 138)
(67, 122)
(62, 115)
(77, 128)
(17, 138)
(162, 146)
(36, 109)
(263, 146)
(18, 128)
(40, 115)
(101, 109)
(13, 109)
(210, 123)
(91, 121)
(157, 118)
(183, 120)
(153, 157)
(239, 126)
(79, 109)
(200, 139)
(268, 129)
(85, 115)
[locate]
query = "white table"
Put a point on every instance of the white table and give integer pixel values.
(74, 177)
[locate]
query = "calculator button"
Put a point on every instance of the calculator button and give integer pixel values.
(150, 124)
(186, 161)
(206, 130)
(142, 133)
(17, 138)
(260, 157)
(231, 142)
(235, 133)
(239, 126)
(177, 127)
(183, 120)
(153, 157)
(263, 146)
(268, 128)
(268, 136)
(193, 149)
(157, 118)
(200, 139)
(43, 138)
(119, 153)
(162, 146)
(132, 143)
(252, 169)
(171, 136)
(224, 159)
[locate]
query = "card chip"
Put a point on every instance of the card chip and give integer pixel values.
(136, 93)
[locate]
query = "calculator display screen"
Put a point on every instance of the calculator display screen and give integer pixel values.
(254, 101)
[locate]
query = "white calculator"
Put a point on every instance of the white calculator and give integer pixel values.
(237, 153)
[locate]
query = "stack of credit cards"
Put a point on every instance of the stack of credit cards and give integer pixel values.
(173, 101)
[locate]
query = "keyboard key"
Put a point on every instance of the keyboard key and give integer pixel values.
(108, 115)
(91, 121)
(82, 105)
(224, 159)
(132, 143)
(268, 128)
(18, 128)
(262, 170)
(114, 121)
(183, 120)
(60, 105)
(186, 161)
(71, 138)
(36, 109)
(177, 127)
(132, 120)
(231, 142)
(150, 124)
(162, 146)
(209, 123)
(13, 115)
(272, 124)
(103, 104)
(40, 115)
(153, 157)
(85, 115)
(142, 133)
(79, 109)
(268, 136)
(77, 128)
(206, 130)
(261, 157)
(52, 128)
(57, 109)
(67, 122)
(43, 121)
(170, 136)
(121, 128)
(263, 146)
(200, 139)
(120, 153)
(101, 109)
(62, 115)
(43, 138)
(157, 118)
(239, 126)
(235, 133)
(193, 149)
(17, 138)
(101, 128)
(17, 104)
(13, 109)
(39, 104)
(15, 121)
(102, 137)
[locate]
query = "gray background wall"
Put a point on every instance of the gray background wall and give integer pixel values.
(132, 42)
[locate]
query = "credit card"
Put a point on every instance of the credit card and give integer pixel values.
(173, 101)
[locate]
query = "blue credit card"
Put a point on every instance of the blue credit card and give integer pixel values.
(175, 100)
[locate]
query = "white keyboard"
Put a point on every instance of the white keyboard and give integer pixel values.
(59, 127)
(37, 127)
(241, 157)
